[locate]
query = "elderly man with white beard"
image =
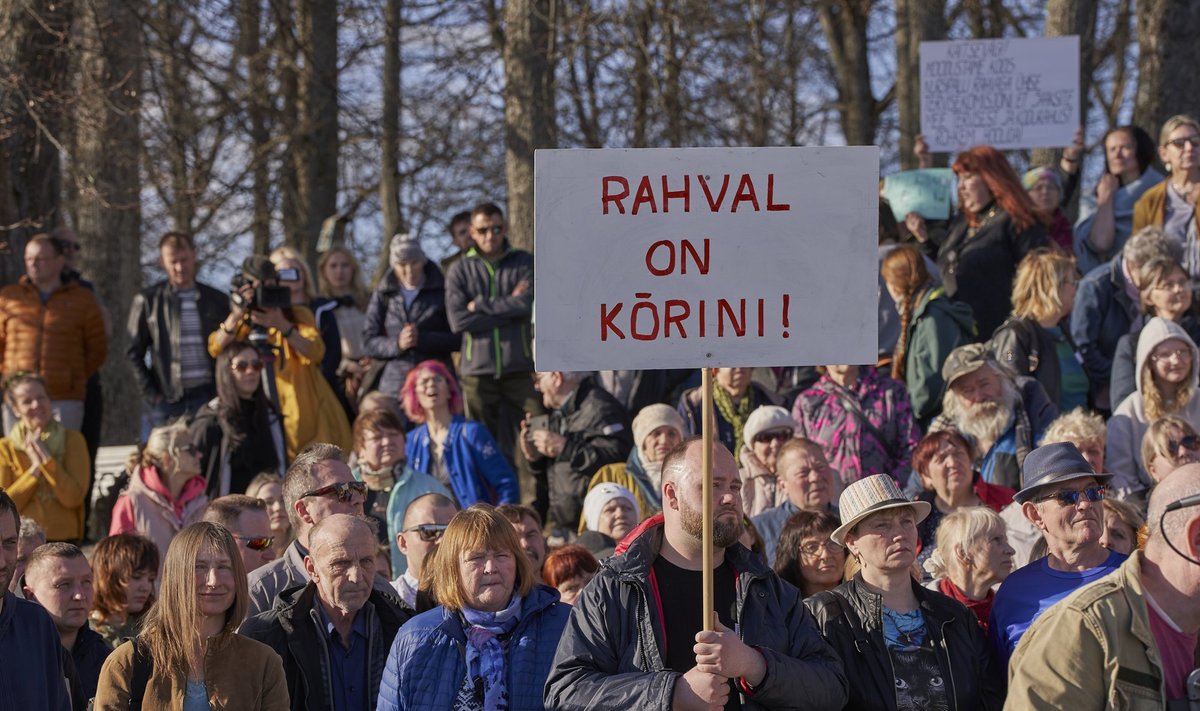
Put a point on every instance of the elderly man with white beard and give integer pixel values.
(1003, 416)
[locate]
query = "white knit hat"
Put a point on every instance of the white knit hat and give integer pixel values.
(599, 496)
(766, 418)
(651, 417)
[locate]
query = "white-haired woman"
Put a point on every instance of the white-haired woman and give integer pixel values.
(971, 557)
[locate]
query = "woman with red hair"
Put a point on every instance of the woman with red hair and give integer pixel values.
(997, 228)
(459, 453)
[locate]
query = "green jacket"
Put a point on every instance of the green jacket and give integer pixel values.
(1092, 651)
(938, 326)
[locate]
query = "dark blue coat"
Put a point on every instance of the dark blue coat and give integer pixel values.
(428, 663)
(1103, 313)
(31, 658)
(387, 316)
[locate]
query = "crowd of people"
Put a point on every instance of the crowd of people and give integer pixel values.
(350, 498)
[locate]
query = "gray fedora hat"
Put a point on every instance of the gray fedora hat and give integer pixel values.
(1051, 464)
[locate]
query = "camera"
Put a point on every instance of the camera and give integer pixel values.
(267, 293)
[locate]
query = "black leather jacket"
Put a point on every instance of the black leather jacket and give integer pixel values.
(851, 618)
(154, 325)
(610, 655)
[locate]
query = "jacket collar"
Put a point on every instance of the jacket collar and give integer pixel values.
(433, 279)
(872, 602)
(635, 554)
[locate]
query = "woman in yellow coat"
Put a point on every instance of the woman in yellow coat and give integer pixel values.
(44, 466)
(310, 410)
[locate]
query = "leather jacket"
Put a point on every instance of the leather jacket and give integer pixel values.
(851, 618)
(154, 325)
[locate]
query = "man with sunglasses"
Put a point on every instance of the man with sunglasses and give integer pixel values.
(1131, 636)
(1063, 497)
(489, 301)
(318, 485)
(246, 519)
(425, 521)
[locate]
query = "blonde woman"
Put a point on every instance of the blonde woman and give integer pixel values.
(1167, 361)
(1171, 204)
(972, 556)
(1170, 443)
(304, 295)
(341, 292)
(189, 654)
(1033, 340)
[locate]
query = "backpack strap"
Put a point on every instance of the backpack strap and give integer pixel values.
(143, 668)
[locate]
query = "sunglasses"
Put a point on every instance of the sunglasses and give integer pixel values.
(245, 366)
(345, 491)
(773, 436)
(494, 229)
(1189, 442)
(428, 532)
(1094, 494)
(259, 543)
(1183, 141)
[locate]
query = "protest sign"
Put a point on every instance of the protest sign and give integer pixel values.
(929, 192)
(682, 258)
(1006, 93)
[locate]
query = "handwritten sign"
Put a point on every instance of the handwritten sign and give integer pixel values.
(682, 258)
(1006, 93)
(929, 192)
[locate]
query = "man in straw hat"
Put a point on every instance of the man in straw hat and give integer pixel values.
(1063, 496)
(634, 638)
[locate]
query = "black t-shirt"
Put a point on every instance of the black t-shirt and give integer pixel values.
(682, 603)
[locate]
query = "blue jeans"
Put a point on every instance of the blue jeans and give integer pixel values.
(166, 412)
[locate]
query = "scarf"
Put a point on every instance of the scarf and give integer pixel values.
(981, 608)
(485, 651)
(735, 415)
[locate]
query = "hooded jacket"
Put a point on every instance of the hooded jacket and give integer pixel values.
(293, 628)
(427, 664)
(387, 316)
(938, 326)
(611, 654)
(148, 508)
(1129, 422)
(851, 619)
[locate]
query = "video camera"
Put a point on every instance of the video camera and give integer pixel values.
(267, 292)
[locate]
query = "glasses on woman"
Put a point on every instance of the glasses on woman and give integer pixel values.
(1193, 141)
(1188, 442)
(812, 548)
(1069, 497)
(772, 436)
(1172, 285)
(1179, 355)
(245, 366)
(345, 491)
(429, 532)
(256, 543)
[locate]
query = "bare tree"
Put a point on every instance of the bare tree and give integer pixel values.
(389, 175)
(1064, 18)
(1167, 57)
(917, 21)
(845, 26)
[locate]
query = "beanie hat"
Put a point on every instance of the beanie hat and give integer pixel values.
(405, 249)
(599, 496)
(651, 418)
(765, 419)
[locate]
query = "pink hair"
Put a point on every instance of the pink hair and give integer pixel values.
(408, 393)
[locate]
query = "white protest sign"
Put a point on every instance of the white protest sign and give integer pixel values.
(1005, 93)
(691, 257)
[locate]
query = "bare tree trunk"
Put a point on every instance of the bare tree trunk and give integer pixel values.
(529, 56)
(34, 69)
(845, 26)
(256, 111)
(760, 78)
(1115, 47)
(672, 91)
(1168, 53)
(917, 21)
(321, 118)
(106, 174)
(642, 22)
(290, 127)
(1063, 18)
(389, 174)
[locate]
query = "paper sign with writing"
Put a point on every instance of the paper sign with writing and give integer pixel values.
(1006, 93)
(682, 258)
(929, 192)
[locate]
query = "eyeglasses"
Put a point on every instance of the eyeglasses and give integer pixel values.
(1173, 285)
(259, 543)
(1189, 442)
(494, 229)
(245, 366)
(1193, 140)
(344, 490)
(428, 532)
(1178, 355)
(812, 548)
(1068, 497)
(773, 436)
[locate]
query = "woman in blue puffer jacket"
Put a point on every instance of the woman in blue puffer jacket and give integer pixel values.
(491, 642)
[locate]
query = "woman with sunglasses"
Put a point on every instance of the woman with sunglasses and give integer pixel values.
(44, 466)
(238, 433)
(1170, 443)
(767, 429)
(166, 490)
(862, 420)
(459, 453)
(188, 654)
(491, 642)
(1172, 203)
(1167, 379)
(268, 488)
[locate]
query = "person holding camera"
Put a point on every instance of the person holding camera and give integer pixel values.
(261, 312)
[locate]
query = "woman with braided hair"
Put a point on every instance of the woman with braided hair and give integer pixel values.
(931, 325)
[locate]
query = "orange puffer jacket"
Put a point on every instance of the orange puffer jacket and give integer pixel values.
(62, 340)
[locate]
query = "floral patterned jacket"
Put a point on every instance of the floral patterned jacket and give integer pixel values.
(826, 414)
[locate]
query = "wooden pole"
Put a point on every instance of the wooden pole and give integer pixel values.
(706, 542)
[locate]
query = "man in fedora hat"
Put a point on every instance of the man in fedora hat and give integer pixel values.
(1000, 414)
(1131, 635)
(1063, 497)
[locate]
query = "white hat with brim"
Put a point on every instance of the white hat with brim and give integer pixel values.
(871, 495)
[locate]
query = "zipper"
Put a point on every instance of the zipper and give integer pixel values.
(952, 697)
(492, 290)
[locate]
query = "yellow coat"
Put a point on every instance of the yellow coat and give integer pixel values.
(310, 410)
(56, 500)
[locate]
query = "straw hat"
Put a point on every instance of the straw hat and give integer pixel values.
(871, 495)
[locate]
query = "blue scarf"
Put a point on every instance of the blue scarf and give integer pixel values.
(485, 651)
